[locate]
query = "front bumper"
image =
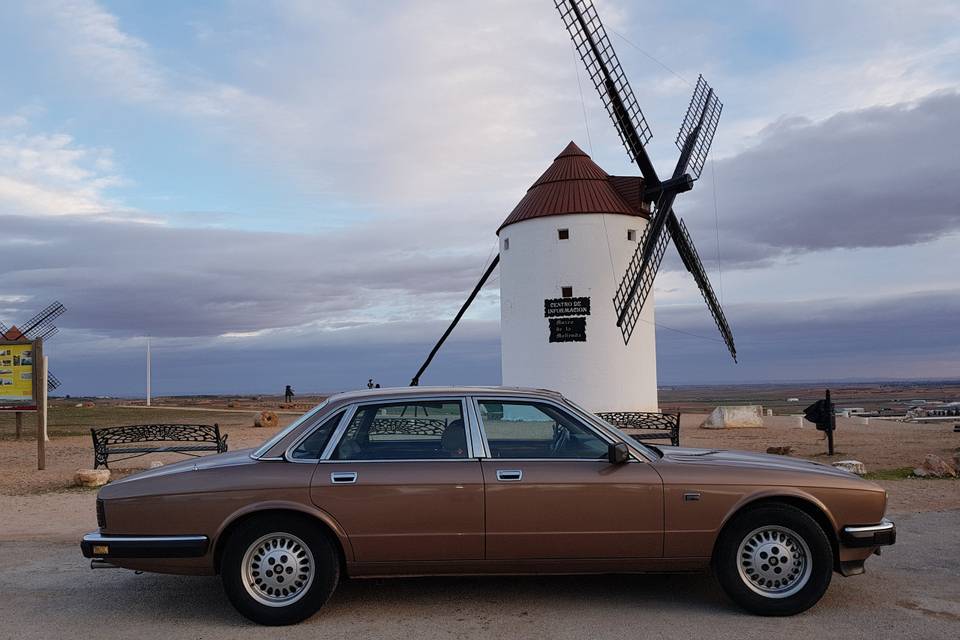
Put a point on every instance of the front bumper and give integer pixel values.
(96, 545)
(873, 535)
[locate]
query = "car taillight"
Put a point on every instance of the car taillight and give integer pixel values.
(101, 515)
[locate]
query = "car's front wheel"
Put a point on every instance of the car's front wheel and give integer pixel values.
(774, 560)
(279, 570)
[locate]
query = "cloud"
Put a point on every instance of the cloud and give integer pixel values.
(877, 177)
(121, 278)
(830, 338)
(51, 174)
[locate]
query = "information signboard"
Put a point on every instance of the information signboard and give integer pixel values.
(17, 388)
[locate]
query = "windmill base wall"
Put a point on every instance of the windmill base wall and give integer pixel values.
(600, 373)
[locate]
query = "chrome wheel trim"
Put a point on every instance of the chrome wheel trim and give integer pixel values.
(278, 569)
(774, 561)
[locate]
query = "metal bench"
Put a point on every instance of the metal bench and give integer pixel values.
(188, 439)
(654, 426)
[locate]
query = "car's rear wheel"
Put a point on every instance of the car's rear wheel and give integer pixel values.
(280, 569)
(774, 560)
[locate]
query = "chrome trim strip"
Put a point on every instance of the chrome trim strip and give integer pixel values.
(866, 530)
(96, 538)
(482, 449)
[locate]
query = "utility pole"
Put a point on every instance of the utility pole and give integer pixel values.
(148, 371)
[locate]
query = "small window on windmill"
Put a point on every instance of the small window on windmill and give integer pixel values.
(631, 235)
(506, 243)
(566, 292)
(563, 234)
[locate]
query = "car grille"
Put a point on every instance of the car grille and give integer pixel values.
(101, 515)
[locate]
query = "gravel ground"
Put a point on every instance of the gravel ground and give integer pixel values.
(911, 591)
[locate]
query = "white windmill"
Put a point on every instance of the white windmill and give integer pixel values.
(581, 238)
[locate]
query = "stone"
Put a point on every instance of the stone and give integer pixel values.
(734, 417)
(156, 464)
(780, 451)
(853, 466)
(935, 467)
(266, 419)
(91, 477)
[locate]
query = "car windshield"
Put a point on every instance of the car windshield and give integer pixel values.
(626, 437)
(269, 444)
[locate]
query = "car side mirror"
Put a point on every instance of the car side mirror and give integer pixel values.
(618, 453)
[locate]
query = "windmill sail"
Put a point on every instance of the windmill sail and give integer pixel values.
(691, 260)
(702, 118)
(41, 324)
(593, 45)
(694, 140)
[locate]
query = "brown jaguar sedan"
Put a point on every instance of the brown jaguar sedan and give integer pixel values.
(419, 481)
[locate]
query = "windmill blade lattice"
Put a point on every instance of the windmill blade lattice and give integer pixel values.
(691, 260)
(629, 306)
(593, 45)
(52, 381)
(703, 115)
(41, 324)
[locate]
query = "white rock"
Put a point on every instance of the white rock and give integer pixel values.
(853, 466)
(735, 417)
(935, 467)
(91, 477)
(156, 464)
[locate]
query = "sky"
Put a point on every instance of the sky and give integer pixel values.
(303, 192)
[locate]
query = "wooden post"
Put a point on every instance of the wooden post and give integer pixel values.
(40, 397)
(44, 389)
(19, 420)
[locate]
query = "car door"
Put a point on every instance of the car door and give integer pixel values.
(400, 478)
(552, 494)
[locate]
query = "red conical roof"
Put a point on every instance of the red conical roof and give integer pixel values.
(575, 184)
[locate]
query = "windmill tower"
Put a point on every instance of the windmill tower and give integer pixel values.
(562, 252)
(580, 239)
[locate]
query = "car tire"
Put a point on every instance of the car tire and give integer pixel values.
(774, 560)
(279, 570)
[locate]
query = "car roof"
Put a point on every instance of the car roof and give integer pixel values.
(406, 392)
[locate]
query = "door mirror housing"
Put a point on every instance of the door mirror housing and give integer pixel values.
(618, 453)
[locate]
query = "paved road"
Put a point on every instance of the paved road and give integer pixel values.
(913, 591)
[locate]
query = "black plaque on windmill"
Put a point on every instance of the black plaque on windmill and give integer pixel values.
(568, 329)
(560, 307)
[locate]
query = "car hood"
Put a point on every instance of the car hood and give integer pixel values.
(749, 460)
(241, 456)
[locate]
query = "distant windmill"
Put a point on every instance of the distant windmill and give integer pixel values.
(40, 326)
(560, 244)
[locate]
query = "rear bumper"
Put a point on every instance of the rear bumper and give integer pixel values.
(873, 535)
(96, 545)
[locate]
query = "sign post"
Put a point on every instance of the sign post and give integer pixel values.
(822, 414)
(23, 385)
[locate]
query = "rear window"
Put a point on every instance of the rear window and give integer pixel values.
(405, 431)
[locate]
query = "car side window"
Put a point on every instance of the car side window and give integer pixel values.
(313, 445)
(521, 429)
(425, 430)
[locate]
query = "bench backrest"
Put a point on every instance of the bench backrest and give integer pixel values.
(156, 433)
(408, 426)
(642, 420)
(646, 421)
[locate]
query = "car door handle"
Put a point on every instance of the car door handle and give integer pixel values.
(343, 477)
(509, 475)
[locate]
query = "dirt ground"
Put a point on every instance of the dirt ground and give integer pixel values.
(44, 504)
